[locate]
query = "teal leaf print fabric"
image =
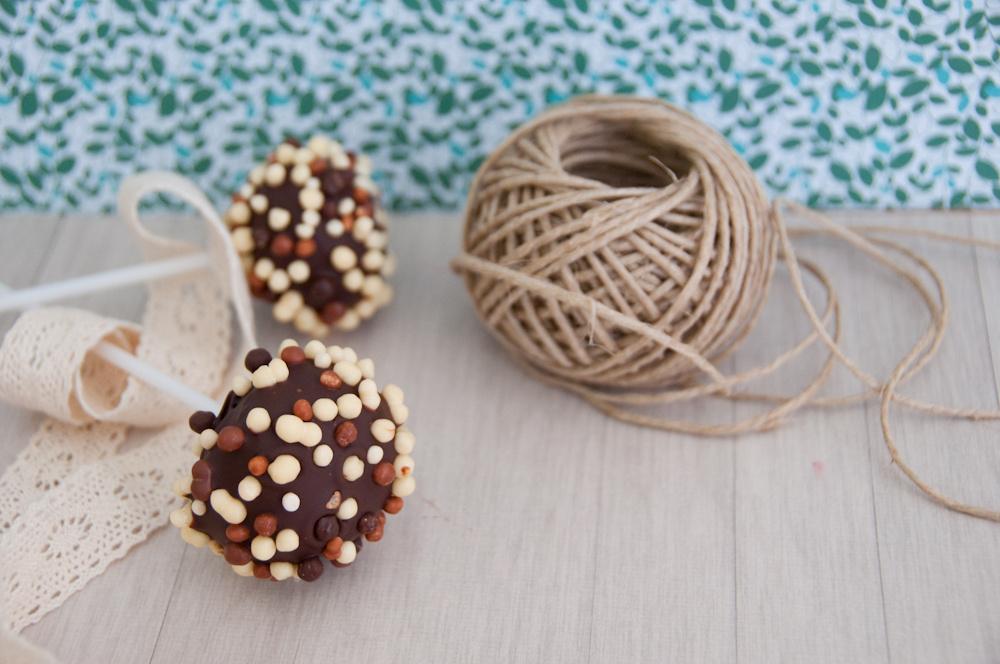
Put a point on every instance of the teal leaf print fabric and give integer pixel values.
(875, 104)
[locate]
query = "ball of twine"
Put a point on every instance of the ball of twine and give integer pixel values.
(619, 248)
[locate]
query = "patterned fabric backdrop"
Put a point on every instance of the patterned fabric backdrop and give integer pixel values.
(870, 104)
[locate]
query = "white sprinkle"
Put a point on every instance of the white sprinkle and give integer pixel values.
(263, 377)
(258, 420)
(239, 213)
(367, 367)
(274, 175)
(403, 486)
(314, 348)
(300, 174)
(289, 428)
(347, 509)
(290, 502)
(311, 199)
(392, 393)
(335, 228)
(263, 268)
(244, 570)
(343, 258)
(323, 455)
(362, 227)
(348, 321)
(249, 488)
(279, 369)
(399, 412)
(242, 239)
(287, 343)
(228, 507)
(194, 537)
(278, 218)
(348, 372)
(353, 468)
(198, 507)
(403, 465)
(304, 231)
(354, 280)
(181, 517)
(346, 206)
(182, 486)
(336, 353)
(375, 454)
(282, 570)
(376, 240)
(368, 392)
(287, 306)
(256, 175)
(312, 183)
(298, 271)
(207, 439)
(311, 434)
(286, 540)
(383, 430)
(372, 260)
(323, 360)
(372, 285)
(262, 547)
(339, 160)
(348, 552)
(285, 153)
(304, 156)
(324, 410)
(405, 440)
(349, 406)
(320, 145)
(284, 469)
(311, 217)
(258, 203)
(279, 282)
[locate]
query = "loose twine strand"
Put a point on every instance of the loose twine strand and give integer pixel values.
(620, 249)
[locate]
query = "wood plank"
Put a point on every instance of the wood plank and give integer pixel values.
(940, 570)
(807, 570)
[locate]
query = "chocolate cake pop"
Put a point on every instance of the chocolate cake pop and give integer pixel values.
(301, 465)
(313, 237)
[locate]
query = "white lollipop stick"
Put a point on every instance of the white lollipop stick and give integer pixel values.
(15, 300)
(155, 378)
(132, 365)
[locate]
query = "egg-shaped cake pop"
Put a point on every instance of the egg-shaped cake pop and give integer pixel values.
(301, 465)
(312, 236)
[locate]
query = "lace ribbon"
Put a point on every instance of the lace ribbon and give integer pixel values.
(77, 498)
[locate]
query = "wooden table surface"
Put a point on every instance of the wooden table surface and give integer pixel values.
(543, 531)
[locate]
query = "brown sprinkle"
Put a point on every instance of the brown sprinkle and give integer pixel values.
(332, 549)
(360, 195)
(317, 166)
(293, 355)
(231, 438)
(261, 571)
(257, 465)
(375, 535)
(302, 410)
(367, 523)
(282, 245)
(346, 433)
(329, 379)
(348, 221)
(305, 248)
(384, 474)
(257, 285)
(393, 504)
(332, 312)
(265, 524)
(237, 533)
(236, 554)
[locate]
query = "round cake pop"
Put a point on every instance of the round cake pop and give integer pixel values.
(313, 237)
(301, 465)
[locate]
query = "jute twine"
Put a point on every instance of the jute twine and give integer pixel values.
(619, 248)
